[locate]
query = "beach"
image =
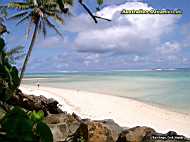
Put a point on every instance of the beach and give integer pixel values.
(126, 112)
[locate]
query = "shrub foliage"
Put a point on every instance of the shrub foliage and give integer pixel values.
(18, 125)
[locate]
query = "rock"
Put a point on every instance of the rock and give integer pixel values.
(52, 106)
(136, 134)
(146, 134)
(62, 125)
(31, 102)
(99, 132)
(96, 131)
(114, 127)
(171, 136)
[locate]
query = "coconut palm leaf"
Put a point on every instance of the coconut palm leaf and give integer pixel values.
(100, 2)
(20, 5)
(52, 26)
(15, 54)
(44, 30)
(56, 17)
(38, 12)
(18, 15)
(29, 28)
(59, 19)
(14, 51)
(23, 19)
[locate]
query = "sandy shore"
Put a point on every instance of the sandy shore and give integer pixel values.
(125, 112)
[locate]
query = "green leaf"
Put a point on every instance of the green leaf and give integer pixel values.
(36, 116)
(15, 78)
(44, 132)
(2, 44)
(100, 2)
(18, 126)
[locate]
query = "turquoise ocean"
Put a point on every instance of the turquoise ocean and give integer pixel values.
(166, 89)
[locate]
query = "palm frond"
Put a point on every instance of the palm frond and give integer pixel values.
(15, 51)
(100, 2)
(50, 25)
(23, 19)
(56, 17)
(18, 15)
(18, 57)
(13, 59)
(15, 54)
(3, 11)
(50, 4)
(20, 5)
(42, 27)
(3, 6)
(69, 2)
(44, 30)
(29, 28)
(59, 19)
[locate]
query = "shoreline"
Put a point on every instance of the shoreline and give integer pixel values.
(124, 111)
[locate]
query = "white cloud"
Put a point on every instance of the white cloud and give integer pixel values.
(49, 41)
(129, 34)
(169, 48)
(54, 42)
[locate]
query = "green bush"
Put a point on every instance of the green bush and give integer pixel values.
(17, 125)
(9, 79)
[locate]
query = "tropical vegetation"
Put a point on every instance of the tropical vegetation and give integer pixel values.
(19, 124)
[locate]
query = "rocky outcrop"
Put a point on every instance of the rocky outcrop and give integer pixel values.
(93, 131)
(63, 125)
(146, 134)
(136, 134)
(31, 102)
(70, 128)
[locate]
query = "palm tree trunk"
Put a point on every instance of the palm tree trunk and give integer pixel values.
(29, 51)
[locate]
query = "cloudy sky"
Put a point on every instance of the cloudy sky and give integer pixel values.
(127, 42)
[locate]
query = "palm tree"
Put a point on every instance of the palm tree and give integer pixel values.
(3, 14)
(38, 13)
(15, 54)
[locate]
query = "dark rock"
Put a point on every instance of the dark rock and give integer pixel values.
(136, 134)
(114, 127)
(62, 125)
(171, 136)
(71, 128)
(146, 134)
(171, 133)
(95, 131)
(52, 106)
(31, 102)
(99, 132)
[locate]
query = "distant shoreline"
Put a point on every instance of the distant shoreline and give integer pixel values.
(165, 89)
(126, 112)
(165, 107)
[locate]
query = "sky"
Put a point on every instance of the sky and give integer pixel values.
(127, 42)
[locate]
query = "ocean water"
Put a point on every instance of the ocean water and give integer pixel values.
(167, 89)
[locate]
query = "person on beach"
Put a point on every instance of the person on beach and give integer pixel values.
(38, 84)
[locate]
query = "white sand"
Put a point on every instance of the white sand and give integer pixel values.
(125, 112)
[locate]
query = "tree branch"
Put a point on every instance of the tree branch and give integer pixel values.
(102, 18)
(94, 17)
(88, 10)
